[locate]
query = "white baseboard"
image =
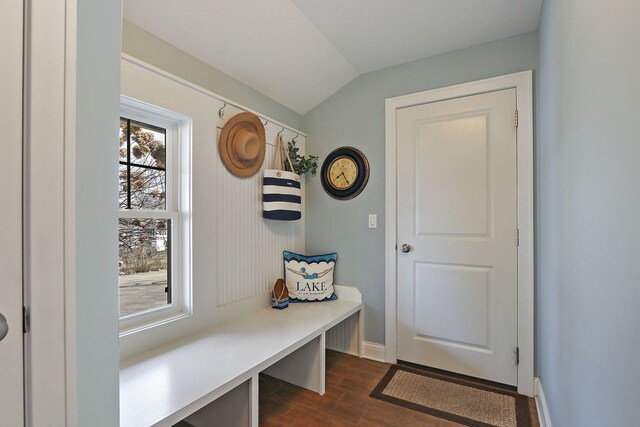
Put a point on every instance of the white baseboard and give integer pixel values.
(541, 404)
(373, 351)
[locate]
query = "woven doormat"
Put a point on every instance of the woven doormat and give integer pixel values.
(453, 398)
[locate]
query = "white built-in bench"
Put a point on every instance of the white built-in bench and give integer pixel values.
(214, 376)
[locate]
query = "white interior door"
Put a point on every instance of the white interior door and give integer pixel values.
(11, 345)
(456, 212)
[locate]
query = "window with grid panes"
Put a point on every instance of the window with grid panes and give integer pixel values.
(152, 227)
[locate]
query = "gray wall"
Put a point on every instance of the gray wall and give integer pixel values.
(149, 48)
(96, 212)
(588, 207)
(355, 116)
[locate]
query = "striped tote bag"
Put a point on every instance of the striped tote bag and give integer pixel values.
(282, 197)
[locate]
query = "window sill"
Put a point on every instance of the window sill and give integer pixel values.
(132, 326)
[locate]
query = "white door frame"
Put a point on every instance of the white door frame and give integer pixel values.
(11, 258)
(523, 83)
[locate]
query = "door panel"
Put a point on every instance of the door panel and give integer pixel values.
(459, 158)
(457, 287)
(11, 347)
(462, 289)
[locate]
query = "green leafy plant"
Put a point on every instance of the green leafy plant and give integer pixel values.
(302, 164)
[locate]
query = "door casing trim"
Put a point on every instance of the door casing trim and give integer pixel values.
(523, 83)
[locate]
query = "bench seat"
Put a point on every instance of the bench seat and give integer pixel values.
(163, 387)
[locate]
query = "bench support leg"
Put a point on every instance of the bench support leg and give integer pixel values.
(254, 401)
(304, 367)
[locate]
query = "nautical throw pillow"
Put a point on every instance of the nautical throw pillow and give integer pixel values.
(309, 278)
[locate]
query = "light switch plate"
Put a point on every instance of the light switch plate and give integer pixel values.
(373, 221)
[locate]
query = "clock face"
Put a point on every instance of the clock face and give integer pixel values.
(342, 172)
(345, 173)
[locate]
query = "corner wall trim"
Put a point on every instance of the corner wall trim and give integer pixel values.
(373, 351)
(541, 405)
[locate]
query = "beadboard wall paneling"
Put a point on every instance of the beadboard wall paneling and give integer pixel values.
(249, 251)
(344, 336)
(236, 254)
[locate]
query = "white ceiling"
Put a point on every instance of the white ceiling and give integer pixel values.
(300, 52)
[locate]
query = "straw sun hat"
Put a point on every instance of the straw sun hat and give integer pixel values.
(242, 144)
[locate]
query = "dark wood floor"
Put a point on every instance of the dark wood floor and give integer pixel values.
(346, 401)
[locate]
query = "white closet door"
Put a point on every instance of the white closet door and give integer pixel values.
(457, 280)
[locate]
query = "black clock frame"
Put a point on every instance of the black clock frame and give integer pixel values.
(361, 179)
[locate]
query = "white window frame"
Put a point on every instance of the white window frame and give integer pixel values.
(178, 199)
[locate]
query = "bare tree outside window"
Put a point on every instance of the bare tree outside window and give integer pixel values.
(144, 242)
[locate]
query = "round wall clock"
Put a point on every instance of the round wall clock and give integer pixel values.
(345, 173)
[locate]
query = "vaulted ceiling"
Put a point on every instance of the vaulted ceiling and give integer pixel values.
(300, 52)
